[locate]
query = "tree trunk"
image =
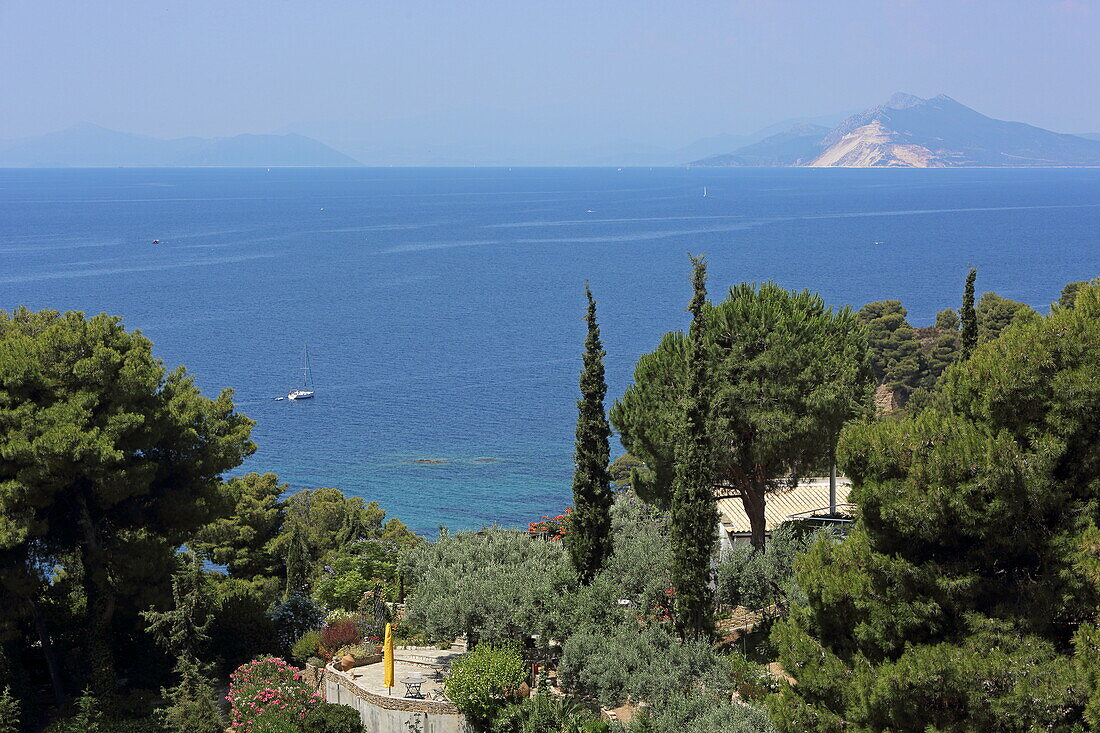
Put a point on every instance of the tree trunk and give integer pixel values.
(752, 498)
(832, 488)
(100, 611)
(47, 650)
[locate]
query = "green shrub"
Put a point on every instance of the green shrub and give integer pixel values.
(757, 580)
(330, 718)
(702, 714)
(481, 681)
(345, 579)
(308, 645)
(544, 714)
(643, 663)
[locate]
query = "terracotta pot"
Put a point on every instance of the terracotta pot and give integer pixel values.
(347, 662)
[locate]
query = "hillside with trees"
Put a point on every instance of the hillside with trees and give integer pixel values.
(142, 579)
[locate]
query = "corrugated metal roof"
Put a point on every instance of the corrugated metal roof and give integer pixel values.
(807, 496)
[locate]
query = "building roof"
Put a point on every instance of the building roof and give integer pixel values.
(809, 495)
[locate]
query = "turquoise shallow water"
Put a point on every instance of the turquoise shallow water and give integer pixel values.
(443, 307)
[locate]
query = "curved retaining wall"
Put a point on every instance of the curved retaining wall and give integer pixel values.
(381, 714)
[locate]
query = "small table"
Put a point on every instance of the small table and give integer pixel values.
(412, 687)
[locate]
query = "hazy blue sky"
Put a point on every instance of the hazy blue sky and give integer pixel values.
(659, 72)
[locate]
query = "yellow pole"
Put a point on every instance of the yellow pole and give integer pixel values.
(387, 657)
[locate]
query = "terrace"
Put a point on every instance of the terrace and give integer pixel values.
(389, 710)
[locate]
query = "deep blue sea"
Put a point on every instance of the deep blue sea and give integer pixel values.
(443, 307)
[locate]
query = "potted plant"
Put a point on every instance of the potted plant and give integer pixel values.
(354, 655)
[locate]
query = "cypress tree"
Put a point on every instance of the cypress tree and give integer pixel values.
(694, 518)
(297, 557)
(588, 537)
(969, 335)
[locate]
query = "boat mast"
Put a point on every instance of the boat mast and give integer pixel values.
(307, 373)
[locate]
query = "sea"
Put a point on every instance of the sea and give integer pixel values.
(443, 308)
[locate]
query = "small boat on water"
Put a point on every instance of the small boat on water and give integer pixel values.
(307, 390)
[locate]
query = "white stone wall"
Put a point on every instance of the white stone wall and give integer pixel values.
(384, 720)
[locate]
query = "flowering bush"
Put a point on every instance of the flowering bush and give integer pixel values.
(339, 614)
(338, 634)
(372, 631)
(294, 617)
(552, 529)
(268, 695)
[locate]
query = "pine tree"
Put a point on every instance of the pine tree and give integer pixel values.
(969, 335)
(88, 718)
(588, 537)
(694, 518)
(784, 373)
(191, 707)
(966, 597)
(9, 712)
(183, 630)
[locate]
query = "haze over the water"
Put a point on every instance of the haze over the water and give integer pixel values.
(533, 75)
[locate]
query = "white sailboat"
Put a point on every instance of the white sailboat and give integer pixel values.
(704, 191)
(306, 392)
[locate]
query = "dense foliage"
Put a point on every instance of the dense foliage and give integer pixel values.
(495, 584)
(112, 502)
(897, 360)
(765, 580)
(190, 704)
(995, 314)
(967, 597)
(328, 717)
(492, 586)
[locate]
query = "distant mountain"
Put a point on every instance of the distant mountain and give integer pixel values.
(1089, 135)
(499, 137)
(265, 150)
(88, 146)
(910, 132)
(796, 146)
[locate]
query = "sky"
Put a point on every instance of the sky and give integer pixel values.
(659, 73)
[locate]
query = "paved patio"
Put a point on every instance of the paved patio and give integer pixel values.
(430, 664)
